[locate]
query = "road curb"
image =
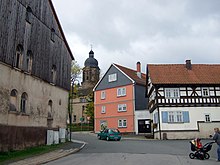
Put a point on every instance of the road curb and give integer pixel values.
(51, 156)
(75, 150)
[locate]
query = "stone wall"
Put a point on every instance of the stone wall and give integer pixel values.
(38, 114)
(17, 138)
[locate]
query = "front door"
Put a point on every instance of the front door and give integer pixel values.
(103, 124)
(144, 126)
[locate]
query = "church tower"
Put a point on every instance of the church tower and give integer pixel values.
(91, 74)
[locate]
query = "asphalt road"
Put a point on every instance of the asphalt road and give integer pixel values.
(133, 152)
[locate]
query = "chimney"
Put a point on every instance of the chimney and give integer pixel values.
(188, 64)
(139, 69)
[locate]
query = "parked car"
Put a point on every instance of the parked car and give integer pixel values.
(110, 134)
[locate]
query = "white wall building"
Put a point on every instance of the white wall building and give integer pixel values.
(184, 100)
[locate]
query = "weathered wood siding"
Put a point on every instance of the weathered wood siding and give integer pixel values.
(34, 36)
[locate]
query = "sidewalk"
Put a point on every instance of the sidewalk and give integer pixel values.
(66, 150)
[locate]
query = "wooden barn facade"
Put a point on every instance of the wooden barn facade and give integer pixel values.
(35, 66)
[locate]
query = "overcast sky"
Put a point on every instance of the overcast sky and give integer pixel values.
(149, 31)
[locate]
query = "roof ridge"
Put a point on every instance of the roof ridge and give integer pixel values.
(183, 64)
(127, 68)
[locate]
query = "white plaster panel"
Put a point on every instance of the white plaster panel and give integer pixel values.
(195, 114)
(140, 114)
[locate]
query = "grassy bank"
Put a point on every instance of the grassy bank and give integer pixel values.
(6, 157)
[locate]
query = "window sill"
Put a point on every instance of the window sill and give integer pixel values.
(24, 114)
(175, 122)
(17, 69)
(121, 96)
(172, 97)
(52, 84)
(28, 73)
(121, 111)
(122, 127)
(13, 112)
(49, 118)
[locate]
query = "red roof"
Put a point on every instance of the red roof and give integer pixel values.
(133, 74)
(179, 74)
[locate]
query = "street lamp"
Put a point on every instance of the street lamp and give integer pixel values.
(70, 106)
(82, 119)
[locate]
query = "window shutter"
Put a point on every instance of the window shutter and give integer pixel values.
(186, 116)
(164, 117)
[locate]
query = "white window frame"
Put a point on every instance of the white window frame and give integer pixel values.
(122, 123)
(207, 117)
(172, 93)
(121, 91)
(205, 92)
(112, 77)
(175, 117)
(122, 107)
(103, 110)
(103, 95)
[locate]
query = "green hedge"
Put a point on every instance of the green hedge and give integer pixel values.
(81, 127)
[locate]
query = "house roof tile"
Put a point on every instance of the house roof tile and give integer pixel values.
(179, 74)
(133, 74)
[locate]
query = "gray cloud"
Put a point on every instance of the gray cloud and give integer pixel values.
(149, 31)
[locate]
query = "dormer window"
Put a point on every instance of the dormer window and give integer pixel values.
(52, 37)
(29, 15)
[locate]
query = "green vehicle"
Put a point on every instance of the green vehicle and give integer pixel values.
(110, 134)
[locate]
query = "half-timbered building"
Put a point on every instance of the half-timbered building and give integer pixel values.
(184, 99)
(35, 63)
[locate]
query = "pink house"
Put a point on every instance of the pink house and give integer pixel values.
(120, 101)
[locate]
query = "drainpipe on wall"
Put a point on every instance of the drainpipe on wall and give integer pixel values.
(159, 121)
(134, 121)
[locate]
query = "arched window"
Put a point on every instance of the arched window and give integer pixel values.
(29, 14)
(52, 35)
(87, 75)
(18, 57)
(29, 60)
(54, 74)
(50, 105)
(24, 98)
(50, 115)
(13, 100)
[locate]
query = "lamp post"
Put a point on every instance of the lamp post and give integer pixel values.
(70, 113)
(82, 119)
(70, 106)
